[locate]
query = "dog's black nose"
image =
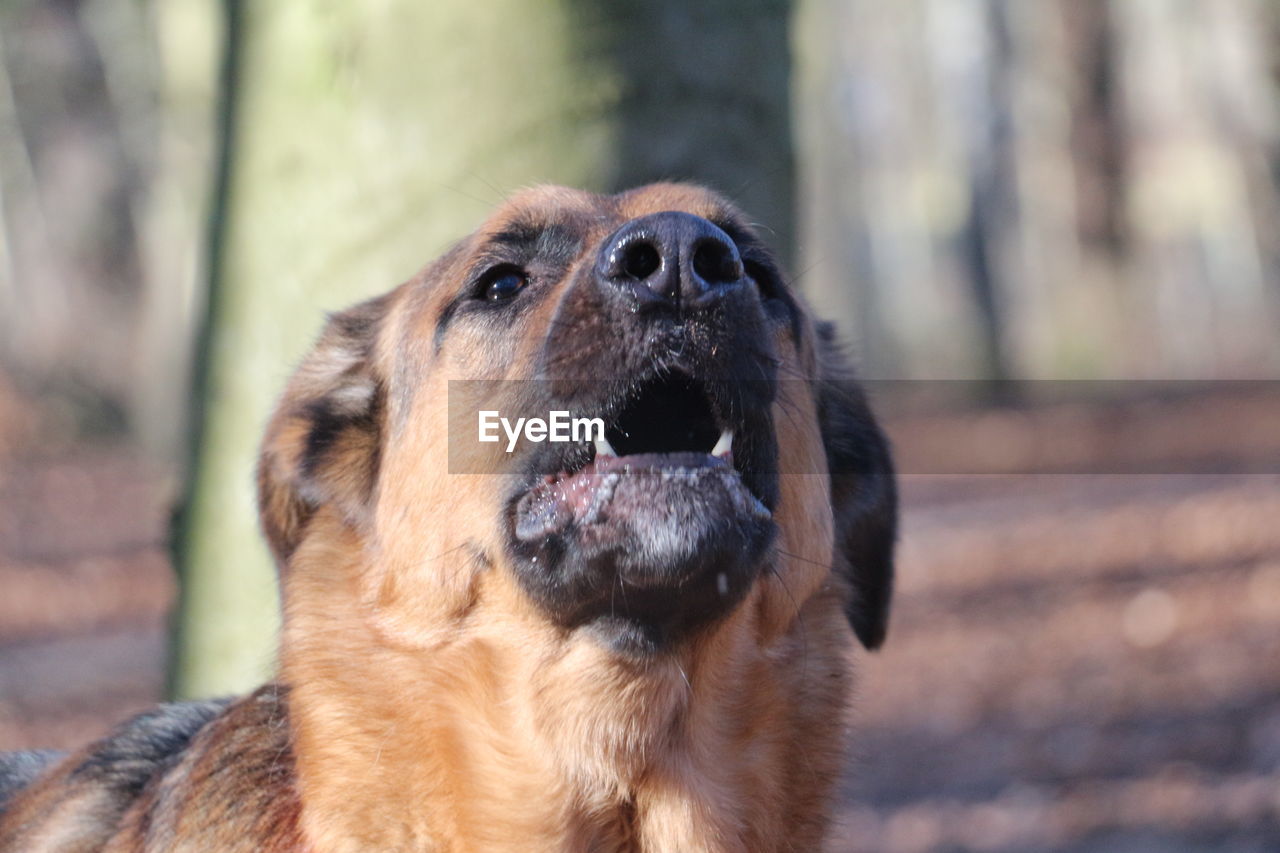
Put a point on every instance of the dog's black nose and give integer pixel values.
(671, 259)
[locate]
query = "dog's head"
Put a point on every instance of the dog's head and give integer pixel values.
(739, 469)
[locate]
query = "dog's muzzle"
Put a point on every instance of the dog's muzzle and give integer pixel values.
(661, 526)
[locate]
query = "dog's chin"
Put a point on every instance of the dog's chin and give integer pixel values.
(641, 551)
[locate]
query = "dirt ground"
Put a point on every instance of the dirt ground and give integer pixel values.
(1077, 661)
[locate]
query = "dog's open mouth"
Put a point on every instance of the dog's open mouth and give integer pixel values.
(665, 436)
(658, 526)
(667, 417)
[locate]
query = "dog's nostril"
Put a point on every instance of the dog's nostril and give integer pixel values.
(641, 260)
(715, 262)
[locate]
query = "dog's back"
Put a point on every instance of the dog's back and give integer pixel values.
(20, 769)
(162, 781)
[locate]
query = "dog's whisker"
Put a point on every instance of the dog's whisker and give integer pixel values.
(685, 676)
(792, 556)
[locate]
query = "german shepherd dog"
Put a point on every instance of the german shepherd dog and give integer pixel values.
(637, 640)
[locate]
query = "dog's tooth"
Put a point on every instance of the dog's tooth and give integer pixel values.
(604, 448)
(725, 445)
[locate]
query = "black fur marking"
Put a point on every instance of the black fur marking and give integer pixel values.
(20, 769)
(125, 759)
(518, 235)
(376, 409)
(762, 266)
(357, 328)
(556, 244)
(327, 423)
(864, 495)
(446, 316)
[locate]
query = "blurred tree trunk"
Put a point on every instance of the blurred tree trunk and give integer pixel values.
(992, 198)
(74, 155)
(368, 136)
(1097, 127)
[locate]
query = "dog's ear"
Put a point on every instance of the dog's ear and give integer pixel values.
(864, 497)
(322, 445)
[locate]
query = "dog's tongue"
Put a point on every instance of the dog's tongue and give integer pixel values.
(584, 497)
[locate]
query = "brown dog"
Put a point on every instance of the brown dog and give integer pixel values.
(634, 641)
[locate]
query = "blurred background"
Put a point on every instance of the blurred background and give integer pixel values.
(1049, 228)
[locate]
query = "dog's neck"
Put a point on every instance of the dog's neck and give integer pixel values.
(555, 743)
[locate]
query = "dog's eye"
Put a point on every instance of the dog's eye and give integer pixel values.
(501, 283)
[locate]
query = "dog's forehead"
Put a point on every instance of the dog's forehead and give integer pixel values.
(543, 206)
(687, 198)
(591, 215)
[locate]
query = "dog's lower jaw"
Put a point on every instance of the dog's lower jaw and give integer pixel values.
(555, 743)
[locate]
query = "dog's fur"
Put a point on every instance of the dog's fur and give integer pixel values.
(425, 700)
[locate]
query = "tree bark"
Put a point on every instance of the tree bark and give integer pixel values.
(362, 138)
